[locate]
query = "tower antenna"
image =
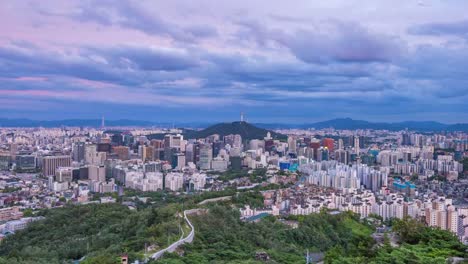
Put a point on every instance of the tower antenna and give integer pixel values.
(242, 116)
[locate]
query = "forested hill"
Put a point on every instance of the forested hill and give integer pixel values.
(100, 233)
(246, 130)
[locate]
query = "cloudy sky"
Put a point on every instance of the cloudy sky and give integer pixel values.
(277, 61)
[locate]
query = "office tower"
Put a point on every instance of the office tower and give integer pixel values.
(117, 139)
(234, 141)
(97, 173)
(206, 156)
(142, 152)
(92, 156)
(356, 145)
(172, 144)
(217, 146)
(90, 153)
(212, 138)
(341, 156)
(51, 163)
(323, 154)
(362, 142)
(329, 143)
(158, 146)
(78, 151)
(292, 144)
(340, 144)
(269, 145)
(5, 161)
(64, 174)
(104, 147)
(13, 150)
(123, 153)
(150, 153)
(178, 161)
(26, 162)
(406, 141)
(314, 145)
(219, 164)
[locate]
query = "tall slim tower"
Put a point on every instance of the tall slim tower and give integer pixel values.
(242, 116)
(102, 122)
(356, 144)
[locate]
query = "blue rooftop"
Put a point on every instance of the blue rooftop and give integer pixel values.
(257, 217)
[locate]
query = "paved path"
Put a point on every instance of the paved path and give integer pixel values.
(182, 240)
(223, 198)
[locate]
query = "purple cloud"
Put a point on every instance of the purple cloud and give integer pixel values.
(458, 28)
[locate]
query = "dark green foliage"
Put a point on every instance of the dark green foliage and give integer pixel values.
(99, 231)
(246, 130)
(421, 244)
(222, 238)
(253, 198)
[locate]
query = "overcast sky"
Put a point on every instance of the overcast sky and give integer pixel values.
(277, 61)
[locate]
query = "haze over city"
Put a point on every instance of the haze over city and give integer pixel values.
(173, 61)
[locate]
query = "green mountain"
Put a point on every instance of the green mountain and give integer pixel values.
(246, 130)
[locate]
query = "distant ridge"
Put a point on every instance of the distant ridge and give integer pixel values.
(339, 123)
(352, 124)
(5, 122)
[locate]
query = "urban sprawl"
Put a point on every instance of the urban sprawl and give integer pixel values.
(388, 174)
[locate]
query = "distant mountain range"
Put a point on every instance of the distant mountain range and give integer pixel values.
(339, 123)
(5, 122)
(348, 123)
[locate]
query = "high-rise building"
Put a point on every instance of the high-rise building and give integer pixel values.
(292, 144)
(150, 153)
(217, 146)
(206, 156)
(329, 143)
(51, 163)
(123, 153)
(78, 151)
(92, 156)
(356, 145)
(341, 156)
(406, 141)
(178, 161)
(64, 174)
(172, 144)
(26, 162)
(117, 139)
(234, 141)
(314, 145)
(13, 150)
(340, 144)
(97, 173)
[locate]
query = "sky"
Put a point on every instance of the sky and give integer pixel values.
(198, 61)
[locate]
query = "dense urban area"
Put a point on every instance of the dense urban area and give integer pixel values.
(232, 193)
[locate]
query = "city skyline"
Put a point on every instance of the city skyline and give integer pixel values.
(178, 61)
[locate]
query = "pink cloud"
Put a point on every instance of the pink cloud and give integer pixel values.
(42, 93)
(95, 84)
(31, 79)
(27, 79)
